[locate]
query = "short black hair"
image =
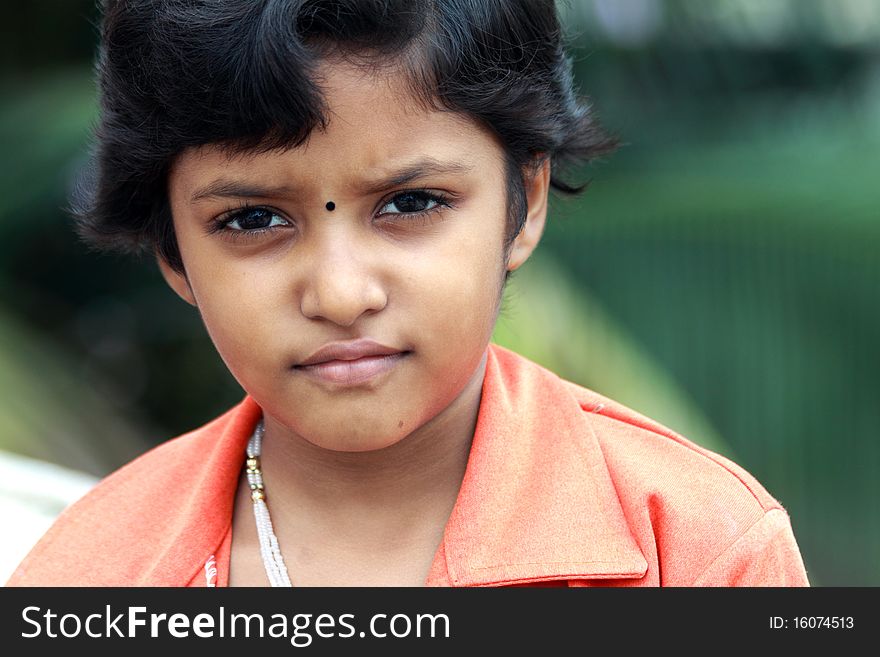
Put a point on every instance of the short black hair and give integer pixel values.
(175, 74)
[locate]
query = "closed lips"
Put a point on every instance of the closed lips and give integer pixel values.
(351, 363)
(348, 351)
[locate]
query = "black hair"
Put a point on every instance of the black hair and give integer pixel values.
(175, 74)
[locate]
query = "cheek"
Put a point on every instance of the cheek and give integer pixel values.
(458, 298)
(240, 307)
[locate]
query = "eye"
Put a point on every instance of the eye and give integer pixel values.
(415, 202)
(253, 219)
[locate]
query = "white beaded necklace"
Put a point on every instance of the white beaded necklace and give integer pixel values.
(269, 549)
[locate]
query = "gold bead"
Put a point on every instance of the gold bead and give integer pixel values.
(253, 463)
(256, 486)
(258, 495)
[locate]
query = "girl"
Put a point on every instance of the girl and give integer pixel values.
(341, 189)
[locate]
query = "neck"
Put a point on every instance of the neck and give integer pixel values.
(410, 479)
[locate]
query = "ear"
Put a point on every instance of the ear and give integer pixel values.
(537, 188)
(177, 281)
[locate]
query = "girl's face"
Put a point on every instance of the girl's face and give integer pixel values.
(387, 227)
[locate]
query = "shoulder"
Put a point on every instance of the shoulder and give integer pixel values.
(707, 520)
(644, 451)
(155, 473)
(117, 531)
(697, 516)
(640, 451)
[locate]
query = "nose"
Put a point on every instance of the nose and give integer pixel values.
(341, 286)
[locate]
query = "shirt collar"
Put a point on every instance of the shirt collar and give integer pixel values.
(537, 501)
(215, 453)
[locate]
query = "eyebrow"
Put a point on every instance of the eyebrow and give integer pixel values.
(422, 168)
(223, 188)
(428, 166)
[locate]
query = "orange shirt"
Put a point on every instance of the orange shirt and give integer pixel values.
(562, 487)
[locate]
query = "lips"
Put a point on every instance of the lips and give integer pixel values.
(352, 362)
(350, 350)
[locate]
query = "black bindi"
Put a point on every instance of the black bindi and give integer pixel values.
(331, 206)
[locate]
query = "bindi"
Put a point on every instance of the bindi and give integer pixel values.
(330, 206)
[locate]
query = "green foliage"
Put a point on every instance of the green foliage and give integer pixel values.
(42, 127)
(47, 412)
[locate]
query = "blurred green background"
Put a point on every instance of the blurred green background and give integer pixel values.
(720, 274)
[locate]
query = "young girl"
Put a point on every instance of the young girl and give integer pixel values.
(341, 188)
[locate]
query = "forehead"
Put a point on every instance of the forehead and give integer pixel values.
(374, 124)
